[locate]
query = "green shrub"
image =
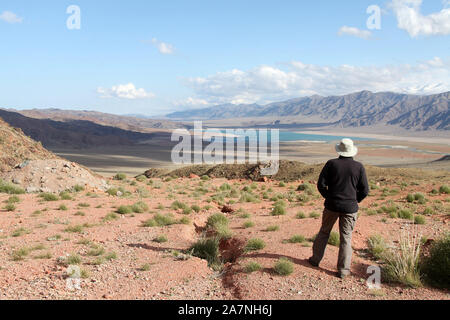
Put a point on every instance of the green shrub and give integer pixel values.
(428, 211)
(9, 188)
(252, 267)
(63, 207)
(419, 220)
(284, 267)
(73, 259)
(10, 207)
(405, 214)
(255, 244)
(314, 215)
(123, 209)
(13, 199)
(278, 210)
(196, 208)
(248, 224)
(84, 205)
(19, 232)
(20, 254)
(334, 239)
(300, 215)
(208, 249)
(141, 178)
(111, 216)
(78, 188)
(297, 239)
(444, 189)
(419, 196)
(161, 239)
(120, 176)
(402, 264)
(139, 207)
(272, 228)
(377, 246)
(49, 196)
(216, 219)
(164, 220)
(435, 267)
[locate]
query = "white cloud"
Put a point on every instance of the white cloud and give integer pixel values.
(191, 102)
(124, 91)
(10, 17)
(410, 18)
(266, 84)
(163, 47)
(363, 34)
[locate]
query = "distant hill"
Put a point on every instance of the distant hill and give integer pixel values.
(130, 123)
(73, 133)
(16, 147)
(359, 109)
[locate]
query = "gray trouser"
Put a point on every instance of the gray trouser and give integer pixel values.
(346, 225)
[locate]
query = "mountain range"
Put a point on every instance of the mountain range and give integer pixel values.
(361, 109)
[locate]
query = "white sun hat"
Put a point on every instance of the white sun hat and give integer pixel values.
(346, 148)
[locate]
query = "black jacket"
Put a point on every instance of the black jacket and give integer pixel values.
(343, 184)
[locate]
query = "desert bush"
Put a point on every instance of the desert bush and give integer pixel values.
(252, 267)
(428, 211)
(10, 207)
(297, 239)
(402, 264)
(300, 215)
(279, 209)
(284, 267)
(19, 232)
(216, 219)
(96, 251)
(444, 189)
(123, 209)
(255, 244)
(314, 215)
(208, 249)
(419, 220)
(120, 176)
(141, 178)
(248, 197)
(139, 207)
(13, 199)
(161, 239)
(435, 267)
(196, 208)
(9, 188)
(46, 196)
(248, 224)
(73, 259)
(405, 214)
(377, 246)
(272, 228)
(20, 254)
(63, 207)
(334, 239)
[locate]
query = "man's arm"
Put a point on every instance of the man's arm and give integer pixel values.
(363, 186)
(322, 184)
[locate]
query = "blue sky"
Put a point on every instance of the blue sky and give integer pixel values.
(154, 57)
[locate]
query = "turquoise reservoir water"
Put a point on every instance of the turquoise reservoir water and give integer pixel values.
(287, 136)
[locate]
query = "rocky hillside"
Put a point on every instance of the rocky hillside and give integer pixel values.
(16, 147)
(129, 123)
(73, 133)
(354, 110)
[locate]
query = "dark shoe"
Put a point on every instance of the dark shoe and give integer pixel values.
(342, 275)
(314, 264)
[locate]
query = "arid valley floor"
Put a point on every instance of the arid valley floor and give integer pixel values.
(132, 242)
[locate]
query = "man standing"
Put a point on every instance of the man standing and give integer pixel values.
(343, 184)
